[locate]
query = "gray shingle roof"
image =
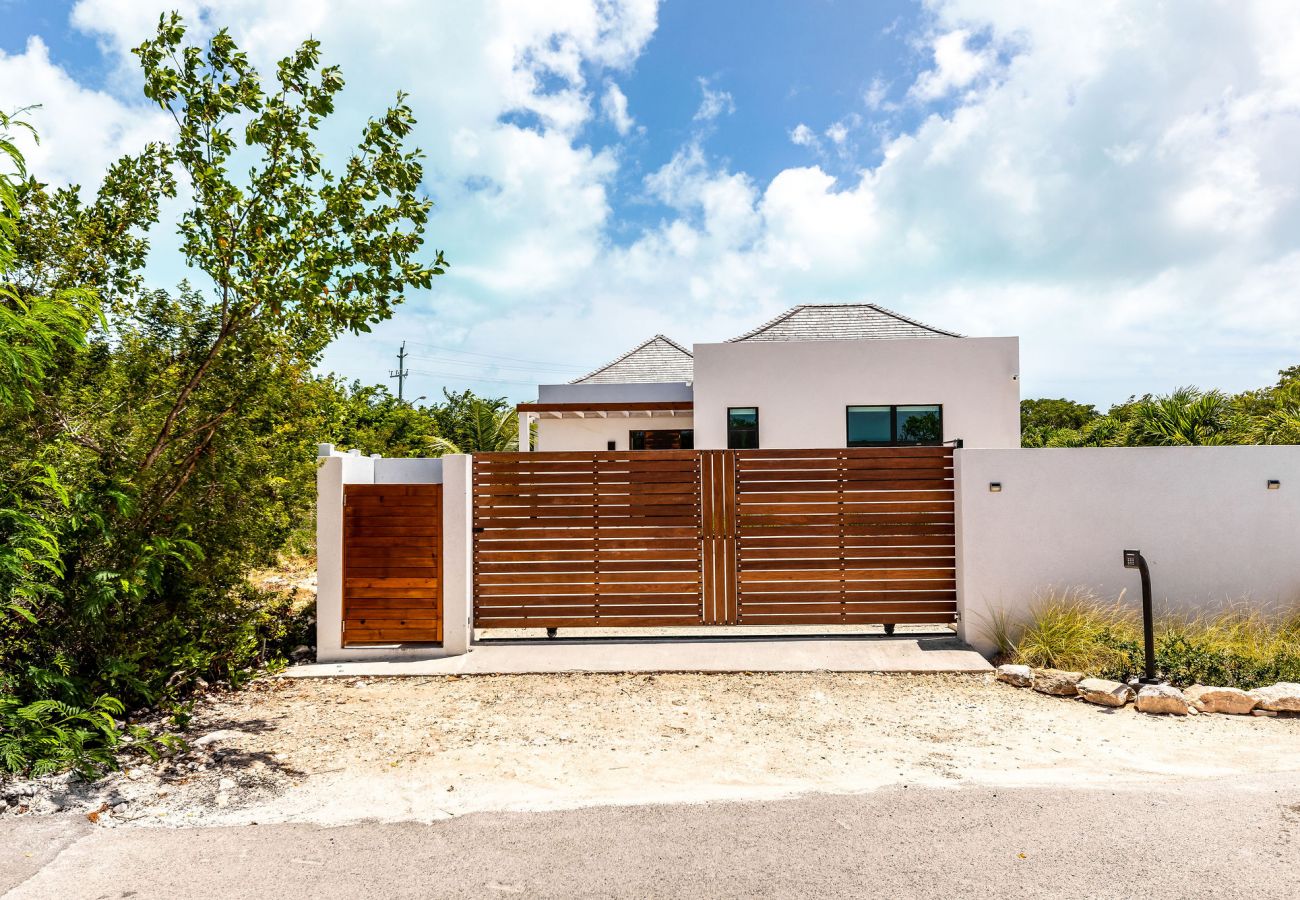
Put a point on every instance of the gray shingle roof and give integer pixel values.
(656, 360)
(841, 322)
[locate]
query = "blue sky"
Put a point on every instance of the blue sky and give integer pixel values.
(1113, 182)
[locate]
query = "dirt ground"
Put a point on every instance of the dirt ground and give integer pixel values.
(335, 751)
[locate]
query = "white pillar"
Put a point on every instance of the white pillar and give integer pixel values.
(525, 433)
(457, 553)
(967, 630)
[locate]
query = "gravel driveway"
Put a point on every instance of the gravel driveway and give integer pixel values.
(343, 751)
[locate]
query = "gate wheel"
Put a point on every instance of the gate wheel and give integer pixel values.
(552, 632)
(889, 628)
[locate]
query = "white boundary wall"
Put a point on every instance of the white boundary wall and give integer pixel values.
(334, 470)
(1204, 518)
(1211, 530)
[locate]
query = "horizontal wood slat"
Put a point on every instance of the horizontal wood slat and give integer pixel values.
(860, 535)
(392, 564)
(855, 536)
(582, 539)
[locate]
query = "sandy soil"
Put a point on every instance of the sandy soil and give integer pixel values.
(340, 751)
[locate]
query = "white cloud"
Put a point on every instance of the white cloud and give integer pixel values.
(714, 103)
(81, 131)
(803, 136)
(838, 133)
(1114, 182)
(955, 66)
(614, 105)
(876, 93)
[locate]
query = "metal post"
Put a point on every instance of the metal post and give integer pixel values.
(401, 371)
(1133, 559)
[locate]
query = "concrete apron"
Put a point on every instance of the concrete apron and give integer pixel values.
(919, 653)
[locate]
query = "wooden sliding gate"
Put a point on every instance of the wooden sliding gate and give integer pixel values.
(852, 536)
(714, 537)
(579, 539)
(392, 563)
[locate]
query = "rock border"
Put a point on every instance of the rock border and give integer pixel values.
(1155, 699)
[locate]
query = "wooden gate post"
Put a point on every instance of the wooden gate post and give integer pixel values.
(718, 536)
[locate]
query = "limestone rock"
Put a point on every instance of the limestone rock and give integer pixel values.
(1104, 692)
(1017, 676)
(1057, 682)
(1281, 697)
(20, 790)
(1162, 699)
(1232, 701)
(224, 736)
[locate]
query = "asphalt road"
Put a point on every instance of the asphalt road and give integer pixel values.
(1223, 838)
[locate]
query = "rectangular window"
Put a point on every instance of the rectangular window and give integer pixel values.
(742, 428)
(662, 439)
(918, 424)
(870, 425)
(885, 426)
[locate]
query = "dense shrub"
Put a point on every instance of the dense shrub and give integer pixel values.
(156, 446)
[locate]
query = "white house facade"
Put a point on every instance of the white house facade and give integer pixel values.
(817, 376)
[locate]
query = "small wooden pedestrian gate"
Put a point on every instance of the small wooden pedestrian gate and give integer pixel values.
(392, 563)
(714, 537)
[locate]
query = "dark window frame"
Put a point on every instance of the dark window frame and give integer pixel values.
(893, 425)
(755, 429)
(681, 432)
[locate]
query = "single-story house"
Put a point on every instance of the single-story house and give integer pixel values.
(818, 375)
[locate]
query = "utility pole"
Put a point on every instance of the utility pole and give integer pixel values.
(401, 371)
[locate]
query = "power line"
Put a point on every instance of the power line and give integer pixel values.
(463, 377)
(534, 362)
(481, 364)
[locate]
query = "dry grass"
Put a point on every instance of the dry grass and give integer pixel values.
(1238, 645)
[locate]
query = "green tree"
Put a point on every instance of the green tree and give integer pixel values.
(181, 434)
(371, 419)
(1185, 417)
(467, 423)
(296, 254)
(1042, 418)
(1270, 415)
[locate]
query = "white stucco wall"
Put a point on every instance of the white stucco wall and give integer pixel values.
(407, 471)
(802, 388)
(592, 433)
(1203, 517)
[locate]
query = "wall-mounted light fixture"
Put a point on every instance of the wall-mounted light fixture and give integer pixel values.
(1274, 484)
(995, 487)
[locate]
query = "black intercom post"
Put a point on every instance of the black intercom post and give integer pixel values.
(1133, 559)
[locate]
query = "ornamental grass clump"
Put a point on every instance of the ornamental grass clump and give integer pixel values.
(1241, 645)
(1077, 631)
